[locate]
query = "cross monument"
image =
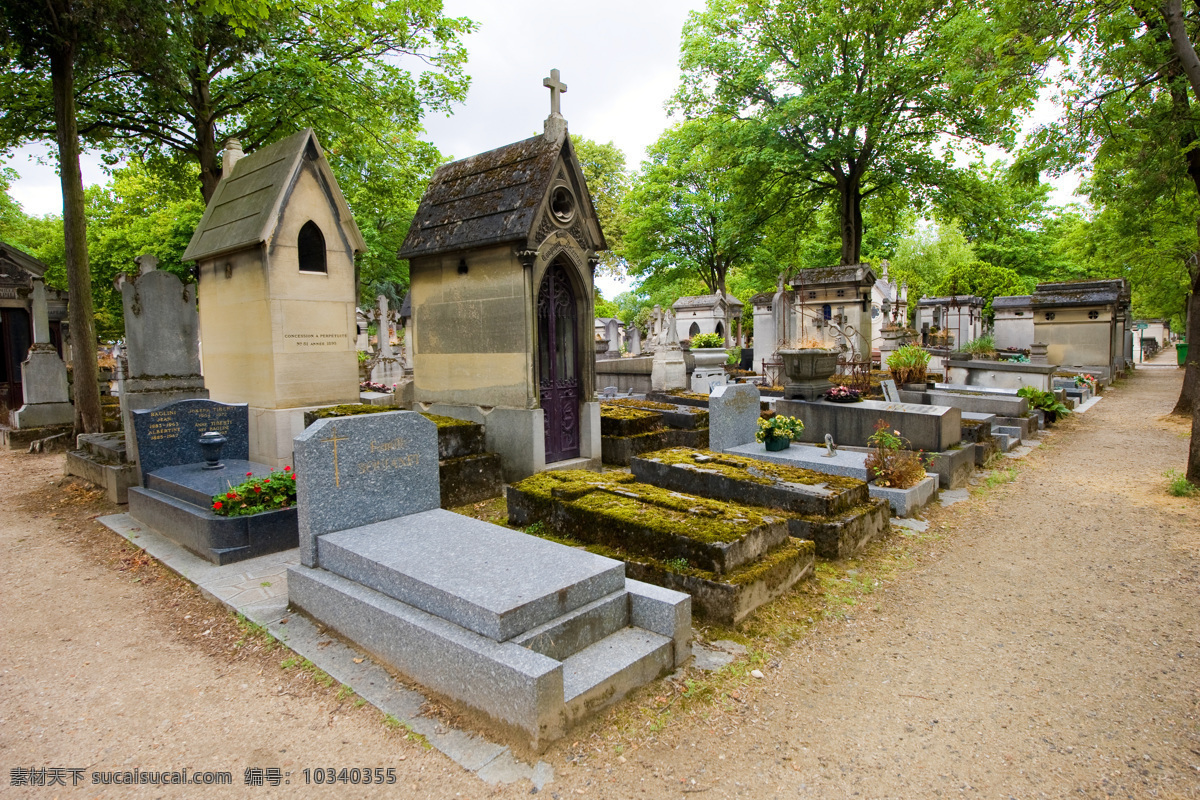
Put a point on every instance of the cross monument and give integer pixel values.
(557, 88)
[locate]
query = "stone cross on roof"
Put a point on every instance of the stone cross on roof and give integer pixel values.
(557, 88)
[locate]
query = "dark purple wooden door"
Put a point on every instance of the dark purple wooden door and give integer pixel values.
(558, 360)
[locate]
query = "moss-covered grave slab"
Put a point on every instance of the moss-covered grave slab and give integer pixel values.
(620, 450)
(749, 480)
(673, 414)
(623, 421)
(731, 558)
(835, 512)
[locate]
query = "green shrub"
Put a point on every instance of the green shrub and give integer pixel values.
(907, 365)
(708, 340)
(1181, 486)
(257, 494)
(1046, 401)
(983, 346)
(888, 464)
(735, 356)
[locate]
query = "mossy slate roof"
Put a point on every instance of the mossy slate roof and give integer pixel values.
(247, 204)
(489, 198)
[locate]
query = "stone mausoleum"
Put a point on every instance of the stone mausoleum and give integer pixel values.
(1085, 325)
(707, 313)
(19, 275)
(275, 250)
(501, 256)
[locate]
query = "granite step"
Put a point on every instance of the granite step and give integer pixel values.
(194, 484)
(107, 448)
(475, 574)
(604, 673)
(565, 636)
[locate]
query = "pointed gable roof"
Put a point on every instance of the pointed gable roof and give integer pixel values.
(246, 207)
(13, 262)
(495, 197)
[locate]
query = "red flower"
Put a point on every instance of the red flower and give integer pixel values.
(293, 476)
(217, 506)
(231, 495)
(258, 489)
(249, 474)
(287, 469)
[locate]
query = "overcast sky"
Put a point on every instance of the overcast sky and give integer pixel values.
(619, 59)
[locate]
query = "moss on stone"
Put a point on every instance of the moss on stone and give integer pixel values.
(623, 412)
(616, 505)
(446, 422)
(752, 469)
(629, 402)
(762, 568)
(350, 410)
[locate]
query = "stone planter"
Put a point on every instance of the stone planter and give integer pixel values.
(601, 346)
(710, 357)
(807, 372)
(906, 502)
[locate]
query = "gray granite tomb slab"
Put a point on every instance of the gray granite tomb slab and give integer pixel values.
(489, 579)
(353, 471)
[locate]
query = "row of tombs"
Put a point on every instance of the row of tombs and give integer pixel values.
(589, 592)
(269, 448)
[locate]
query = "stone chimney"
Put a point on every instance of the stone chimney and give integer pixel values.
(233, 151)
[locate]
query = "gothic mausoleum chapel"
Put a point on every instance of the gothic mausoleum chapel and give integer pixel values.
(501, 255)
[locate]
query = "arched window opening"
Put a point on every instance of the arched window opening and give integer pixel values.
(311, 246)
(694, 329)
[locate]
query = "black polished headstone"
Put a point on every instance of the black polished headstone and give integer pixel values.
(170, 435)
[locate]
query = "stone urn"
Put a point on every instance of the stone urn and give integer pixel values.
(709, 357)
(601, 347)
(806, 372)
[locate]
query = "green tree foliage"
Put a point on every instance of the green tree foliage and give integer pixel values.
(139, 211)
(849, 99)
(695, 212)
(1006, 215)
(338, 66)
(608, 182)
(929, 256)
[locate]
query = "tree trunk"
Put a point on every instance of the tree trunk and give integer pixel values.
(1193, 466)
(79, 277)
(850, 219)
(1190, 392)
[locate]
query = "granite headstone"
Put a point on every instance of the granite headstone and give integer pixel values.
(890, 393)
(353, 471)
(733, 412)
(170, 434)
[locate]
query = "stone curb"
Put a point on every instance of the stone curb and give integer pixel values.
(257, 589)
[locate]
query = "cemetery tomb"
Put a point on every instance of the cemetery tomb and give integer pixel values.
(706, 314)
(34, 397)
(501, 254)
(960, 316)
(932, 428)
(1012, 328)
(731, 558)
(533, 634)
(275, 256)
(828, 305)
(629, 427)
(180, 480)
(1084, 325)
(836, 513)
(467, 473)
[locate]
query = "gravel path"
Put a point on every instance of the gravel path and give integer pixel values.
(1047, 643)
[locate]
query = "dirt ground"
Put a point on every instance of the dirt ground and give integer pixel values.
(1042, 639)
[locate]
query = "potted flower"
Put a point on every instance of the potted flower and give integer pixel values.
(709, 350)
(907, 365)
(807, 369)
(778, 432)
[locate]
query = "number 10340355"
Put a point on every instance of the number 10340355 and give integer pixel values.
(352, 775)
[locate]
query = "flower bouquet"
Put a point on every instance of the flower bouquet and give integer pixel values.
(843, 394)
(256, 495)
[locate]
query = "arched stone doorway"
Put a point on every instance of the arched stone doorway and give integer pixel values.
(558, 363)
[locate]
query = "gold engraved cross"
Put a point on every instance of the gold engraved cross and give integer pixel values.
(333, 437)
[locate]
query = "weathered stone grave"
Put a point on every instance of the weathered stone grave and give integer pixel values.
(533, 634)
(179, 482)
(46, 405)
(629, 427)
(731, 558)
(836, 513)
(927, 427)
